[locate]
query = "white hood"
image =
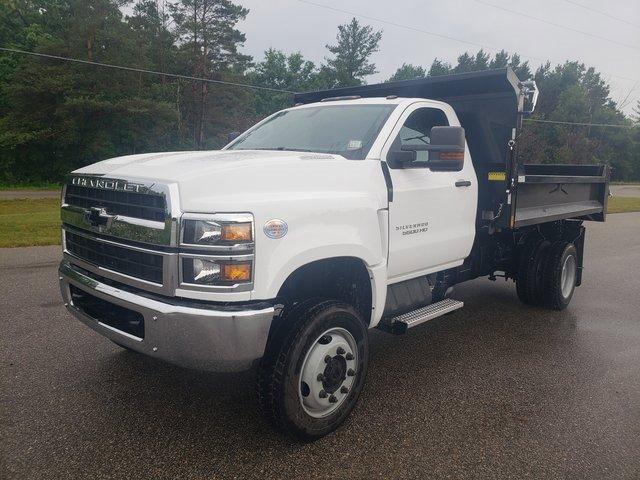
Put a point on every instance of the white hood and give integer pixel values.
(233, 180)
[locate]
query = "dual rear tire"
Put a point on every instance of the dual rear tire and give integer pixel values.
(547, 273)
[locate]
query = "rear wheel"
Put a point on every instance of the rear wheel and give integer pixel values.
(560, 275)
(530, 271)
(535, 273)
(311, 377)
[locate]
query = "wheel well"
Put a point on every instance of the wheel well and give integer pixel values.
(341, 278)
(567, 230)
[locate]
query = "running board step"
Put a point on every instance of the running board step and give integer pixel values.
(402, 323)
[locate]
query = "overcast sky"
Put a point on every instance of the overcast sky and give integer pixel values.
(291, 25)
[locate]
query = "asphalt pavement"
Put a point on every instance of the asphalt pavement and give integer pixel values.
(495, 390)
(625, 190)
(21, 194)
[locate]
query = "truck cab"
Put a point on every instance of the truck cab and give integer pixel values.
(355, 209)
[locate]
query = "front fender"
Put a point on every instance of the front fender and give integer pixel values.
(358, 232)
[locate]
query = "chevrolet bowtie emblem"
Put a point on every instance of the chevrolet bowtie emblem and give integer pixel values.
(98, 217)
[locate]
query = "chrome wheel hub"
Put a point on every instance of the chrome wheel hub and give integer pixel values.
(328, 372)
(568, 277)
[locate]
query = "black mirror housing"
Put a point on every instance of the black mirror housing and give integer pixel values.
(446, 150)
(401, 158)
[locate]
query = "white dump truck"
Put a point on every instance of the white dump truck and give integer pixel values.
(355, 209)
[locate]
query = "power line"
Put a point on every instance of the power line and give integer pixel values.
(399, 25)
(427, 32)
(558, 25)
(559, 122)
(173, 75)
(602, 13)
(624, 102)
(142, 70)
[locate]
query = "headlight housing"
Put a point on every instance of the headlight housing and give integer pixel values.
(217, 251)
(219, 230)
(211, 271)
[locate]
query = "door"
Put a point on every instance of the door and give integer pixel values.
(432, 215)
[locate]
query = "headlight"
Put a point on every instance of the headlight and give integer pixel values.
(217, 251)
(217, 230)
(206, 271)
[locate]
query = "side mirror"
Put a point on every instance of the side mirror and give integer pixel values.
(401, 158)
(530, 92)
(232, 136)
(446, 150)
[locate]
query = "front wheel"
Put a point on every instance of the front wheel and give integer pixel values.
(312, 375)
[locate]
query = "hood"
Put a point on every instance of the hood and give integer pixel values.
(233, 179)
(171, 167)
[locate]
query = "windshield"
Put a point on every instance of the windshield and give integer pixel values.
(347, 130)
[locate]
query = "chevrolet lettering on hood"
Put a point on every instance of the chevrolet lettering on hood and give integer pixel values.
(109, 184)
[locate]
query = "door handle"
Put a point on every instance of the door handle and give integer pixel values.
(463, 183)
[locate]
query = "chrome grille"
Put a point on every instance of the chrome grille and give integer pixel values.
(144, 265)
(142, 213)
(131, 204)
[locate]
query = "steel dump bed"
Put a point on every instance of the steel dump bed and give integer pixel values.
(546, 193)
(491, 105)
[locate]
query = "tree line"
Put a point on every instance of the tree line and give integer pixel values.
(57, 116)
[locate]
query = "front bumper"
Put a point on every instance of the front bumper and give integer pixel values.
(219, 338)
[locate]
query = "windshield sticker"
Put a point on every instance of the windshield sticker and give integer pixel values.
(354, 145)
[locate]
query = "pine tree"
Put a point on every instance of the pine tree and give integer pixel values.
(500, 60)
(439, 67)
(408, 72)
(520, 68)
(286, 72)
(209, 42)
(466, 63)
(56, 116)
(352, 53)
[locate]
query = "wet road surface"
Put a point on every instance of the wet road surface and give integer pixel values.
(495, 390)
(625, 190)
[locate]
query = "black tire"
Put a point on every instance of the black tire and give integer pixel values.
(558, 290)
(526, 254)
(535, 272)
(279, 372)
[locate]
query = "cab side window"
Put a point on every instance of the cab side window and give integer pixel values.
(417, 129)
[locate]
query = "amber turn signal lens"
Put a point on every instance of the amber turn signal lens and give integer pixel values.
(453, 156)
(237, 272)
(237, 232)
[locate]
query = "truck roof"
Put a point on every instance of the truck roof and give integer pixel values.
(393, 100)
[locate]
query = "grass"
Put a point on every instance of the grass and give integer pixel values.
(623, 204)
(31, 222)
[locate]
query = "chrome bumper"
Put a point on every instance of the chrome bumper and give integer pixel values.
(221, 339)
